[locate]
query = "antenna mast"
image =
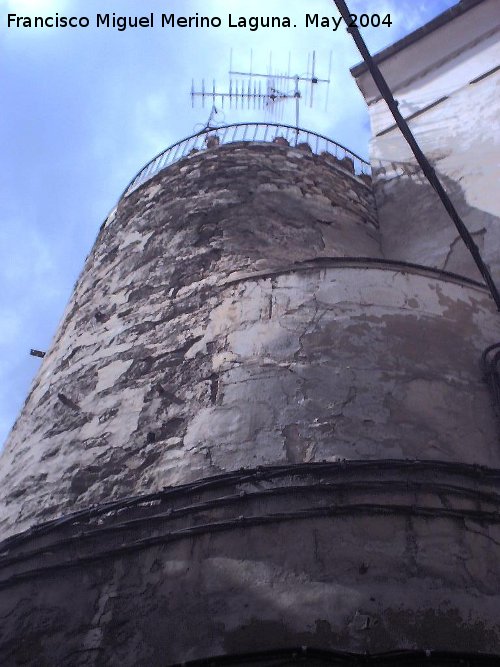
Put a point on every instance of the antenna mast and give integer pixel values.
(251, 92)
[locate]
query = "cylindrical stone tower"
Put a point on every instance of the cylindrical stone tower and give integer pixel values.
(253, 434)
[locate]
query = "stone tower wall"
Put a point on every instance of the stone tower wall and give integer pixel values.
(253, 432)
(111, 410)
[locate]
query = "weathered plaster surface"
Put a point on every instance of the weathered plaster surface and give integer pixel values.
(221, 323)
(346, 557)
(414, 224)
(170, 365)
(447, 86)
(131, 365)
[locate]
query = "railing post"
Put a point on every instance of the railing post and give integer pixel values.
(181, 148)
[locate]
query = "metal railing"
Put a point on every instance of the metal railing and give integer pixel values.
(251, 132)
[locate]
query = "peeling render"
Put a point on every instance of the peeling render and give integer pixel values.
(239, 357)
(162, 303)
(339, 362)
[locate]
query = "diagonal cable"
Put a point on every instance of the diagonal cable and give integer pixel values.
(424, 163)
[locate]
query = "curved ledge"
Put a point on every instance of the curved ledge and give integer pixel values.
(359, 262)
(262, 496)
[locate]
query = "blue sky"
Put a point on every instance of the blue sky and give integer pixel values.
(83, 109)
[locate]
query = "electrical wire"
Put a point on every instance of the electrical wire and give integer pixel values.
(424, 163)
(373, 487)
(474, 472)
(81, 545)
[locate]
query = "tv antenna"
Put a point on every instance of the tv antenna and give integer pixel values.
(279, 87)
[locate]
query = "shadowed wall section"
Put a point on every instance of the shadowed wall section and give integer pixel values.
(446, 80)
(351, 557)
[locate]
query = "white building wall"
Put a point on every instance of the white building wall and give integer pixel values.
(448, 87)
